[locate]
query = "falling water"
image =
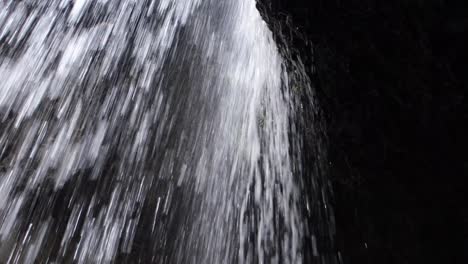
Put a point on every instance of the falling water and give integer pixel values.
(145, 131)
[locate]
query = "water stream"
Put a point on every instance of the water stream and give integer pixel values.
(142, 131)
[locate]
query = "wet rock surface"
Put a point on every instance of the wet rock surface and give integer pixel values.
(392, 80)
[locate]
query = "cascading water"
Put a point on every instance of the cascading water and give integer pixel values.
(145, 131)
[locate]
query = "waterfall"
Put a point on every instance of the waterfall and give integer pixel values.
(145, 131)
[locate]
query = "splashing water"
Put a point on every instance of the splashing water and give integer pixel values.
(144, 131)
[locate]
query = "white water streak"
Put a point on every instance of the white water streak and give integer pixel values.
(114, 108)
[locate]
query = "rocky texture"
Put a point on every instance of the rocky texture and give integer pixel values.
(392, 79)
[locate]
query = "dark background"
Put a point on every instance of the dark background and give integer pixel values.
(391, 78)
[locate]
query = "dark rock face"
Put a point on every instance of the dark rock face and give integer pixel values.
(392, 78)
